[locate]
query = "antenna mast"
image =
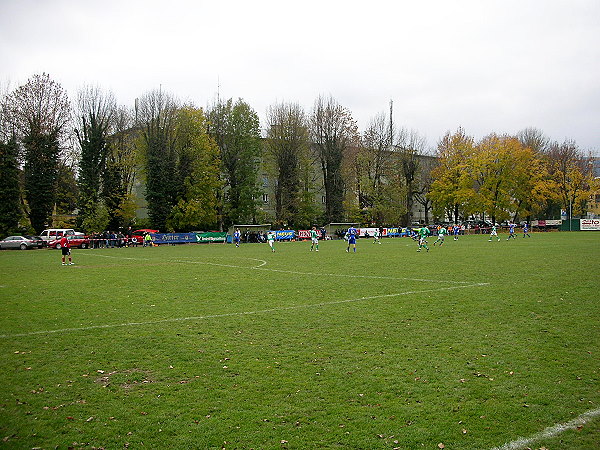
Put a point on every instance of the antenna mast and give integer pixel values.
(391, 125)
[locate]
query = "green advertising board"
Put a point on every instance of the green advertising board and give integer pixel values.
(211, 237)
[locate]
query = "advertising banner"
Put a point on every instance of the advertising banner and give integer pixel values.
(283, 235)
(589, 224)
(173, 238)
(392, 231)
(305, 234)
(212, 236)
(364, 231)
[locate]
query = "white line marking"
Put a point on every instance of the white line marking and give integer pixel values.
(552, 431)
(262, 311)
(263, 263)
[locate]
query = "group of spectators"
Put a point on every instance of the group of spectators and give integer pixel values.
(254, 236)
(118, 239)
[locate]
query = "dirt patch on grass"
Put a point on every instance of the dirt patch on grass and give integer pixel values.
(125, 379)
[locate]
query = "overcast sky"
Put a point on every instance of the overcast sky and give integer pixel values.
(488, 66)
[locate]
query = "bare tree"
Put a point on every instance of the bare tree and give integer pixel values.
(333, 131)
(423, 184)
(376, 142)
(287, 141)
(534, 139)
(572, 173)
(409, 146)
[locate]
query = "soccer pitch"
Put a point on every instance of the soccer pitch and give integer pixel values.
(474, 345)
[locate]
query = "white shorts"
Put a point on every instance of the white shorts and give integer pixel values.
(314, 240)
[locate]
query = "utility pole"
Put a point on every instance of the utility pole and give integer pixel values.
(391, 125)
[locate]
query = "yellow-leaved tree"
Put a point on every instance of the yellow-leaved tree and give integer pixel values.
(451, 190)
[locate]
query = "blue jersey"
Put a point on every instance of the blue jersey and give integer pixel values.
(352, 235)
(236, 236)
(456, 228)
(512, 228)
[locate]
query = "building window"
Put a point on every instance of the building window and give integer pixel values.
(323, 199)
(265, 198)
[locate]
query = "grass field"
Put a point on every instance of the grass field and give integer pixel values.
(474, 345)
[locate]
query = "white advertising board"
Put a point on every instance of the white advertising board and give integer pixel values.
(589, 224)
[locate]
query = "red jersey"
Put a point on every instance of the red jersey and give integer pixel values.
(64, 242)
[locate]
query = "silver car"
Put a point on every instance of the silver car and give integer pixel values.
(18, 242)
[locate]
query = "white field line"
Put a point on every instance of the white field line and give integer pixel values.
(293, 272)
(244, 313)
(552, 431)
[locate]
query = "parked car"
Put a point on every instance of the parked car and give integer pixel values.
(38, 240)
(74, 241)
(18, 242)
(52, 234)
(138, 235)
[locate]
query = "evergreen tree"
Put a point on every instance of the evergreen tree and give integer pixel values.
(39, 111)
(235, 127)
(157, 115)
(95, 111)
(198, 170)
(41, 176)
(10, 192)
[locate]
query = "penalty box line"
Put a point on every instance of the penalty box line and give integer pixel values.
(293, 272)
(243, 313)
(552, 431)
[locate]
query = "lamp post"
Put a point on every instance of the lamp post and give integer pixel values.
(570, 214)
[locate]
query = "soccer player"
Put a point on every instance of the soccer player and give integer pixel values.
(376, 239)
(423, 233)
(493, 233)
(271, 239)
(237, 237)
(351, 233)
(525, 230)
(314, 237)
(456, 230)
(441, 236)
(65, 248)
(511, 231)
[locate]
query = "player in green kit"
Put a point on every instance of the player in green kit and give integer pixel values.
(423, 233)
(271, 239)
(441, 236)
(493, 233)
(314, 237)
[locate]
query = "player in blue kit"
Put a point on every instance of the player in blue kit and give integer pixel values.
(351, 236)
(525, 230)
(511, 231)
(455, 231)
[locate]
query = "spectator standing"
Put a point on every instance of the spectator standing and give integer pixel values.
(147, 240)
